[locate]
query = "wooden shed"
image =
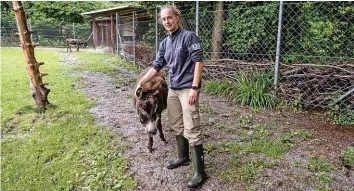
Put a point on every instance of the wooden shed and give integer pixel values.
(108, 31)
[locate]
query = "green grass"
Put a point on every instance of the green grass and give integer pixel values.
(321, 168)
(206, 109)
(245, 120)
(245, 170)
(343, 115)
(105, 63)
(120, 62)
(95, 62)
(348, 156)
(63, 148)
(259, 144)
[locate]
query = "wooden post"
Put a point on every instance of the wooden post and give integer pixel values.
(107, 39)
(94, 31)
(102, 29)
(117, 32)
(38, 90)
(113, 35)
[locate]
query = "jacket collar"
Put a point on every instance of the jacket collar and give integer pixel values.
(175, 33)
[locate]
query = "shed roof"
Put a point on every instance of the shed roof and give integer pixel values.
(119, 10)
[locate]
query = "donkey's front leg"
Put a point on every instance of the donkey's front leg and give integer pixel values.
(159, 127)
(151, 142)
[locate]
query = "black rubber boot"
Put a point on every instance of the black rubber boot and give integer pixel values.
(183, 153)
(198, 164)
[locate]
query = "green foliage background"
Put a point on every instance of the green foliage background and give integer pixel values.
(311, 32)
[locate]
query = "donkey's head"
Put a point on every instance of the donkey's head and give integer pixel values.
(147, 108)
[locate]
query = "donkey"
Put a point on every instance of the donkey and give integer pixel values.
(149, 101)
(75, 42)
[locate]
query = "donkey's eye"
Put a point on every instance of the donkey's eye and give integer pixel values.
(143, 118)
(153, 117)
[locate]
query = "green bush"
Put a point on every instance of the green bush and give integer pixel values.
(348, 156)
(254, 90)
(218, 88)
(251, 29)
(250, 89)
(342, 115)
(317, 31)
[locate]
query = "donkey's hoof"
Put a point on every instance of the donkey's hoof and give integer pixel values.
(150, 149)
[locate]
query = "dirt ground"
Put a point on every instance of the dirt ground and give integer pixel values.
(114, 109)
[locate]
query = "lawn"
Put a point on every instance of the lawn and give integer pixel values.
(62, 148)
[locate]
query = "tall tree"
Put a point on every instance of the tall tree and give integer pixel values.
(65, 11)
(38, 90)
(217, 30)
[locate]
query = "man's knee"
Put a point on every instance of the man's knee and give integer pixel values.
(194, 138)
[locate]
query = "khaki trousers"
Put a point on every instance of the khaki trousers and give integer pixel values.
(184, 118)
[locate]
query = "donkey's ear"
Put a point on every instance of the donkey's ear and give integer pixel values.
(156, 106)
(143, 112)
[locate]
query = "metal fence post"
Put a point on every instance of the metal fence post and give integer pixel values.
(134, 39)
(196, 17)
(117, 34)
(30, 28)
(156, 31)
(74, 29)
(277, 55)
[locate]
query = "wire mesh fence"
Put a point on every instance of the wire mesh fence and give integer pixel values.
(316, 42)
(47, 34)
(315, 52)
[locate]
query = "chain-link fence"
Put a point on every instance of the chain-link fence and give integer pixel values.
(47, 34)
(136, 37)
(317, 54)
(308, 46)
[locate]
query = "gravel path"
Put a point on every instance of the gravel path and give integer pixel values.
(114, 109)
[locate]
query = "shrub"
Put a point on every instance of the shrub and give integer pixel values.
(342, 115)
(348, 156)
(254, 90)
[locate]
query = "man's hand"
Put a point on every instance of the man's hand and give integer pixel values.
(138, 89)
(193, 96)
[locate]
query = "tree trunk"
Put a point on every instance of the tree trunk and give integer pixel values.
(38, 90)
(217, 30)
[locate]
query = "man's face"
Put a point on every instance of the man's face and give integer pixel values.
(169, 20)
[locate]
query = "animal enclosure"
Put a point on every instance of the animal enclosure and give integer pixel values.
(306, 45)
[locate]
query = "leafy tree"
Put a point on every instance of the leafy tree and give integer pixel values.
(251, 29)
(318, 30)
(64, 11)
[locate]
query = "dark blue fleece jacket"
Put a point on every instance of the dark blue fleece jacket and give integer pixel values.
(180, 51)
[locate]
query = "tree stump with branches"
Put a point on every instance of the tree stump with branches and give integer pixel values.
(38, 90)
